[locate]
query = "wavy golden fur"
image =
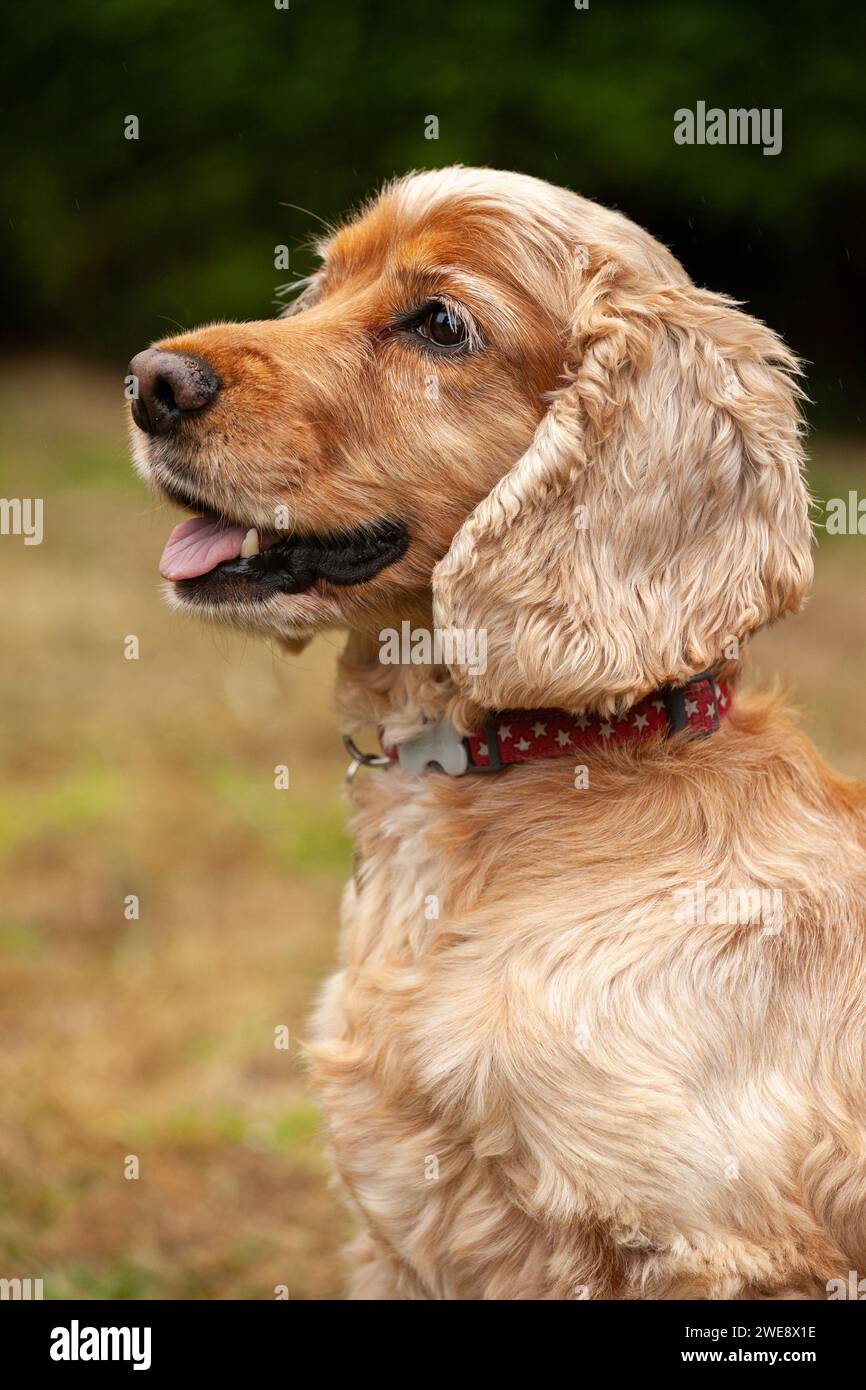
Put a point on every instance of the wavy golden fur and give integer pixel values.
(553, 1084)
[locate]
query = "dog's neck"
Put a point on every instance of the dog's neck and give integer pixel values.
(400, 699)
(397, 698)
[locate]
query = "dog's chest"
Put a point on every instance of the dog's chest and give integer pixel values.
(399, 1048)
(393, 908)
(440, 1036)
(504, 1003)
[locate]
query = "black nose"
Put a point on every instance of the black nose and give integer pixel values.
(171, 385)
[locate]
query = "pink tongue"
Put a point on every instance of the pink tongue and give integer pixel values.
(199, 545)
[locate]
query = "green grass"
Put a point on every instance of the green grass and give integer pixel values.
(301, 835)
(83, 799)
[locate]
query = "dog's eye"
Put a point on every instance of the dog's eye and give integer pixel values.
(440, 325)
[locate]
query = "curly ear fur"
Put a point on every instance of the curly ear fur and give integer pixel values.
(659, 513)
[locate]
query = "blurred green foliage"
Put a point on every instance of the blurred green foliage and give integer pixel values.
(243, 107)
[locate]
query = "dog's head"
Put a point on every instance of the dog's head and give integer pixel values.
(499, 393)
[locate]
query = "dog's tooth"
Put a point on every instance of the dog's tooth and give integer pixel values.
(251, 543)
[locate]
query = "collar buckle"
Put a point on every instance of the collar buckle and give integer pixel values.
(675, 697)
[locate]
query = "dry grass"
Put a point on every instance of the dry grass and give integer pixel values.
(155, 777)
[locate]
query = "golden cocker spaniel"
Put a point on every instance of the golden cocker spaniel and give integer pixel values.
(599, 1028)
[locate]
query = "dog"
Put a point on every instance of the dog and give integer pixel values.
(599, 1027)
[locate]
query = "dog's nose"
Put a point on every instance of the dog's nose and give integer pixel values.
(171, 386)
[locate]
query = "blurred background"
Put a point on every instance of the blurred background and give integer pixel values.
(154, 777)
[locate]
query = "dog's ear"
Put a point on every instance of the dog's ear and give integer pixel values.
(658, 518)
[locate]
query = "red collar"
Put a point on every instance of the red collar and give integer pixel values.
(522, 735)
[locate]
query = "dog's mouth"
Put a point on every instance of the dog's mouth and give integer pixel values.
(215, 558)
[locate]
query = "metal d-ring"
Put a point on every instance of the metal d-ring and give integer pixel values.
(360, 759)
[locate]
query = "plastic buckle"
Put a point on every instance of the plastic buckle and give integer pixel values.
(436, 748)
